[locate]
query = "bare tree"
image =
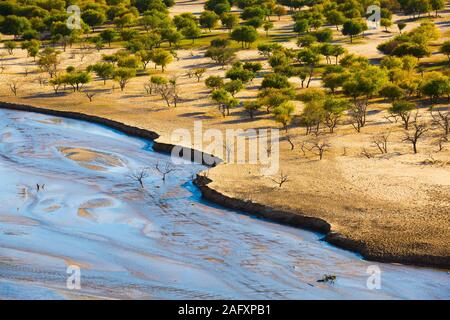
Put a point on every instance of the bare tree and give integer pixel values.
(391, 116)
(89, 95)
(303, 147)
(148, 87)
(85, 50)
(358, 115)
(42, 80)
(288, 139)
(319, 148)
(198, 73)
(283, 178)
(442, 119)
(381, 142)
(139, 175)
(441, 142)
(2, 67)
(175, 96)
(14, 86)
(56, 85)
(416, 133)
(165, 170)
(366, 153)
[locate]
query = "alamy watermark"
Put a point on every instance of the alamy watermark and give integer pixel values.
(74, 280)
(74, 20)
(374, 280)
(374, 16)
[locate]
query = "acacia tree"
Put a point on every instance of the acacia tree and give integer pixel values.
(221, 55)
(445, 49)
(229, 20)
(48, 61)
(284, 113)
(108, 35)
(172, 36)
(57, 82)
(245, 35)
(267, 25)
(214, 82)
(401, 26)
(77, 79)
(14, 25)
(279, 11)
(10, 46)
(167, 89)
(93, 18)
(271, 98)
(353, 28)
(435, 86)
(145, 56)
(208, 20)
(309, 58)
(251, 107)
(402, 109)
(362, 85)
(233, 86)
(103, 70)
(334, 110)
(191, 31)
(335, 18)
(337, 51)
(392, 91)
(312, 116)
(32, 47)
(386, 23)
(437, 5)
(198, 73)
(123, 76)
(224, 100)
(161, 58)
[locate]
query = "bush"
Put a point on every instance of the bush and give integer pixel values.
(214, 82)
(274, 80)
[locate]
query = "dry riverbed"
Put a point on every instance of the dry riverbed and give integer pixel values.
(392, 207)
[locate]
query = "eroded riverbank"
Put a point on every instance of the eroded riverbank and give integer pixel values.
(383, 233)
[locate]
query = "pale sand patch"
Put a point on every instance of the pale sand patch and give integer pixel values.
(18, 220)
(52, 208)
(85, 209)
(91, 159)
(84, 213)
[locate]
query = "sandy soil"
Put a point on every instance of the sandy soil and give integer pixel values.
(397, 204)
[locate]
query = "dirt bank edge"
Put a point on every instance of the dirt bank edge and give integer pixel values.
(295, 219)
